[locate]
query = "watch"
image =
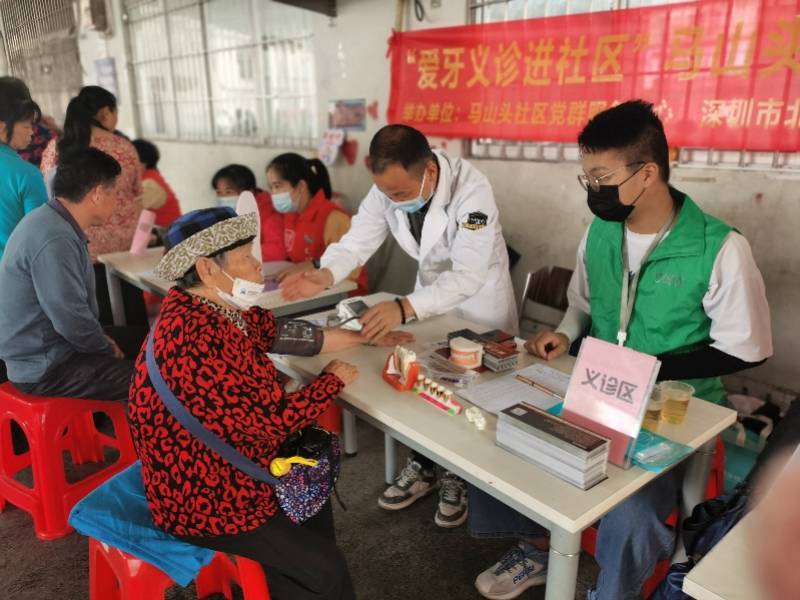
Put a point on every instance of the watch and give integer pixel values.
(409, 318)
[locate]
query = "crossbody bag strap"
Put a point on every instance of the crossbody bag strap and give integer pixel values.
(195, 427)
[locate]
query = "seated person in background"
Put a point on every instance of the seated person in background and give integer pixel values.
(50, 337)
(90, 122)
(22, 188)
(157, 195)
(697, 303)
(211, 343)
(231, 181)
(44, 130)
(301, 191)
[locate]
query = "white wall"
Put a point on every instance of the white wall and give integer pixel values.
(93, 45)
(542, 208)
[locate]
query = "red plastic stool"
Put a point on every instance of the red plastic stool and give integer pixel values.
(152, 303)
(53, 426)
(116, 575)
(715, 487)
(224, 570)
(331, 419)
(85, 443)
(716, 478)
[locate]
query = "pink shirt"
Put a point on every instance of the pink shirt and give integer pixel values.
(117, 233)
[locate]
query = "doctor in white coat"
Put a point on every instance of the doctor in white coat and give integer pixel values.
(442, 213)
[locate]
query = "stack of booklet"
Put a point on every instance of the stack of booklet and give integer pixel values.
(568, 451)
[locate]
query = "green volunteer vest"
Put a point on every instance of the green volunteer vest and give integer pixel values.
(668, 315)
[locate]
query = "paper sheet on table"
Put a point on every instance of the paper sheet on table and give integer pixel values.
(498, 394)
(271, 299)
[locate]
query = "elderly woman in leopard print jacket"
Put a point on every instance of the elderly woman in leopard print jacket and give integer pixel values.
(211, 343)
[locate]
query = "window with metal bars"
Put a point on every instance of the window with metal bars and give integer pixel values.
(41, 47)
(493, 11)
(227, 71)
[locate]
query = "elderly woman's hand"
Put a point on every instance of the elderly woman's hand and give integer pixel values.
(395, 338)
(344, 371)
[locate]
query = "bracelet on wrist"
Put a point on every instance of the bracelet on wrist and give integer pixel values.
(402, 309)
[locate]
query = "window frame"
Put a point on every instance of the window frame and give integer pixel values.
(262, 97)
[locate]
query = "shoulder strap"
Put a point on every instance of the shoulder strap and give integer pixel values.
(195, 427)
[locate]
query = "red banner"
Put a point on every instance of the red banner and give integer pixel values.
(722, 74)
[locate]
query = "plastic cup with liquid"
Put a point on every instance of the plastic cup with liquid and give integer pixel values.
(676, 395)
(655, 406)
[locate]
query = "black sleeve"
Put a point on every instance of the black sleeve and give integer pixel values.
(297, 337)
(700, 363)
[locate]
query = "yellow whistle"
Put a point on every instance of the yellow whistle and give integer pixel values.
(283, 466)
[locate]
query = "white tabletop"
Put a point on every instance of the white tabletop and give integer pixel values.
(138, 270)
(726, 573)
(457, 445)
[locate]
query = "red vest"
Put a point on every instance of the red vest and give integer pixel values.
(272, 247)
(304, 234)
(170, 210)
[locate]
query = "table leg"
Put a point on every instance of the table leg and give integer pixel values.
(693, 492)
(562, 570)
(696, 478)
(349, 433)
(115, 295)
(389, 458)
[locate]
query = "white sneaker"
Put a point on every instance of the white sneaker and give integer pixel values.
(413, 483)
(452, 509)
(523, 566)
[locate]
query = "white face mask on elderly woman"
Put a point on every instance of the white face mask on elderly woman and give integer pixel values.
(245, 294)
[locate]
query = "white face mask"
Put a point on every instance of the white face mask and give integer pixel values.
(229, 201)
(245, 294)
(412, 206)
(283, 203)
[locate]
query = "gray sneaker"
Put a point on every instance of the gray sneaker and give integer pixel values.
(452, 509)
(413, 483)
(523, 566)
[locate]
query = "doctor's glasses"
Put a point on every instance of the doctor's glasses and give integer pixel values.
(589, 182)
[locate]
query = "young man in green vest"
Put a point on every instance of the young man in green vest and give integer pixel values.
(697, 302)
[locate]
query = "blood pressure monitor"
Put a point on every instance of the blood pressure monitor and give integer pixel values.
(348, 312)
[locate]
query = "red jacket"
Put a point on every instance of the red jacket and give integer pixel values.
(272, 247)
(227, 381)
(171, 209)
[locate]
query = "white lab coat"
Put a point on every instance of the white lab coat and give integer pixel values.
(462, 256)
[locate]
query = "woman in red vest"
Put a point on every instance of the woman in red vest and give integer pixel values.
(157, 195)
(301, 191)
(232, 180)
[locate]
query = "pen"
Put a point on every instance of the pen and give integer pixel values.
(538, 386)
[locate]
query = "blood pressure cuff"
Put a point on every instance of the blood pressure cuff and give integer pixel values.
(297, 338)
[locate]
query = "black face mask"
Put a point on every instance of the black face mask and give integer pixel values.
(605, 203)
